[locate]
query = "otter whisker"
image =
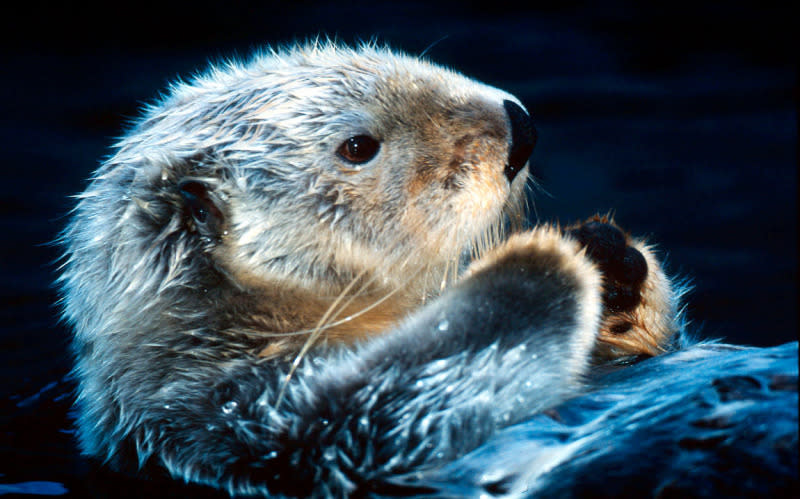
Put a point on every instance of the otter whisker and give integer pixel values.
(333, 311)
(314, 335)
(333, 324)
(357, 314)
(443, 284)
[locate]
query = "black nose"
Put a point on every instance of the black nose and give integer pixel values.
(523, 138)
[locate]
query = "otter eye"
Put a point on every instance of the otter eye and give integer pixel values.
(359, 149)
(203, 205)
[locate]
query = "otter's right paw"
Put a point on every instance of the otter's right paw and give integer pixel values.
(559, 280)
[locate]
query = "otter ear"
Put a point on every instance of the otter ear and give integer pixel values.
(203, 206)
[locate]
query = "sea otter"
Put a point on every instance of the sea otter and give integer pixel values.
(309, 272)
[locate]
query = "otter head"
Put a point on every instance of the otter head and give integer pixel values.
(304, 170)
(329, 162)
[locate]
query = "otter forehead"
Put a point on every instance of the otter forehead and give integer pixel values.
(320, 73)
(320, 90)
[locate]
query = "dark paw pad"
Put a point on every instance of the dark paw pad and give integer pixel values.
(604, 242)
(623, 266)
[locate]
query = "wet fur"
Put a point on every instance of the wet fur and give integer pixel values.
(187, 327)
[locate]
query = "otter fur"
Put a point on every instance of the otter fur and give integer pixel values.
(307, 273)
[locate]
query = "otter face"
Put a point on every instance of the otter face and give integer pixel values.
(439, 179)
(326, 163)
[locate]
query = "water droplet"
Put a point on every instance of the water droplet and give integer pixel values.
(443, 325)
(506, 417)
(329, 454)
(439, 365)
(230, 406)
(325, 422)
(271, 455)
(166, 406)
(363, 422)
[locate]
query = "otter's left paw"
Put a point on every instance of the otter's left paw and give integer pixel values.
(640, 313)
(623, 267)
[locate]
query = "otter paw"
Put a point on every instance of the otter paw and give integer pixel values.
(623, 266)
(639, 304)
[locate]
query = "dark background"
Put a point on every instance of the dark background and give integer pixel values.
(682, 119)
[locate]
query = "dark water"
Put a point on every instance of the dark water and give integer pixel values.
(681, 119)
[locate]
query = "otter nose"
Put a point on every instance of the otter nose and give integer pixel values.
(523, 138)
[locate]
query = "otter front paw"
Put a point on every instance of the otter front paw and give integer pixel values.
(623, 266)
(640, 311)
